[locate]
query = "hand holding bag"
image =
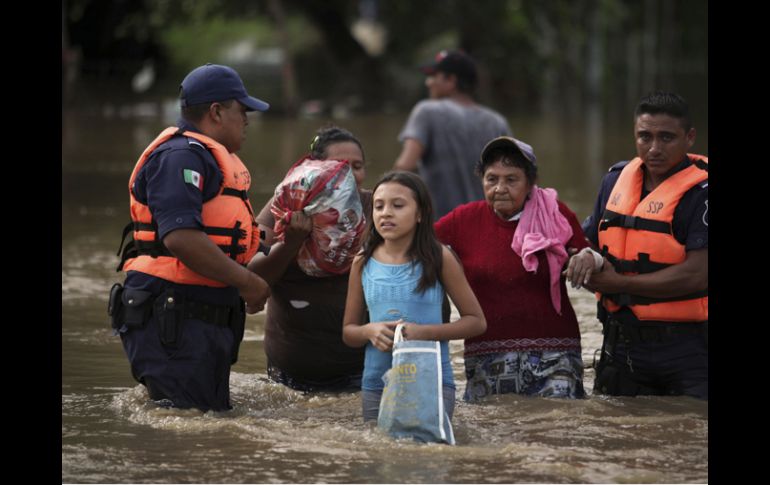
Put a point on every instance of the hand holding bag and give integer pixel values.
(326, 191)
(412, 403)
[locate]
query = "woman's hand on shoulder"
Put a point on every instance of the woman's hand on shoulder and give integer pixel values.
(357, 265)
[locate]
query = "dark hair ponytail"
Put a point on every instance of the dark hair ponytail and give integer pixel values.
(329, 135)
(425, 247)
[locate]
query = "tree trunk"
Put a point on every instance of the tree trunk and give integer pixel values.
(594, 88)
(288, 79)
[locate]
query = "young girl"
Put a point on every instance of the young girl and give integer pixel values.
(400, 276)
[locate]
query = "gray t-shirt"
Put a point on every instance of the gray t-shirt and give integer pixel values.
(453, 136)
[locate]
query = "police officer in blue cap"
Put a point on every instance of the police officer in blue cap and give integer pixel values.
(181, 310)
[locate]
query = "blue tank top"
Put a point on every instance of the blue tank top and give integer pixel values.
(389, 290)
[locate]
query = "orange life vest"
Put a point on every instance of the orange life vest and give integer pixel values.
(228, 219)
(637, 237)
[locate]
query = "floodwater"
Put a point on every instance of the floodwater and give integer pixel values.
(275, 435)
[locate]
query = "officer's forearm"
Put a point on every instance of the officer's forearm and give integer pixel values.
(200, 254)
(685, 278)
(274, 265)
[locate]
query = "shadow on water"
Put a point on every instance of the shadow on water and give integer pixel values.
(111, 434)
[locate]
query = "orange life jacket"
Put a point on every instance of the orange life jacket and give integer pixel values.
(637, 237)
(228, 219)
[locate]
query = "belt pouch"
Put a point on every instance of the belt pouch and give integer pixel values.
(169, 310)
(115, 306)
(137, 307)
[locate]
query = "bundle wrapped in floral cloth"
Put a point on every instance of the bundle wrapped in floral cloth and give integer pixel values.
(326, 191)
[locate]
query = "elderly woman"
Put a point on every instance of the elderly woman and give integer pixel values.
(513, 247)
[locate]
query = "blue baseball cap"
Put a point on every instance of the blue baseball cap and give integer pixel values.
(212, 82)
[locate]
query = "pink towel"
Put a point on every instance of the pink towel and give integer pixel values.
(543, 227)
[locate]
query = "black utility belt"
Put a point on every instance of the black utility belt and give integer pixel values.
(658, 331)
(219, 315)
(132, 307)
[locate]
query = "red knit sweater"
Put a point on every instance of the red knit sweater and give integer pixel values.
(516, 304)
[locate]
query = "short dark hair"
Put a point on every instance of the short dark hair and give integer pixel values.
(661, 102)
(510, 157)
(459, 63)
(329, 135)
(425, 247)
(465, 83)
(195, 113)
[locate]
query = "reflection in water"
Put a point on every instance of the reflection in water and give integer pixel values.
(274, 434)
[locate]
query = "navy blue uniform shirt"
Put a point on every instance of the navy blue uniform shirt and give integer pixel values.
(176, 202)
(690, 223)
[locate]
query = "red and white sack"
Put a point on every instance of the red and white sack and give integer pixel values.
(326, 191)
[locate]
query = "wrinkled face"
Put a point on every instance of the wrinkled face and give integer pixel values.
(233, 123)
(348, 150)
(395, 212)
(661, 142)
(505, 188)
(440, 85)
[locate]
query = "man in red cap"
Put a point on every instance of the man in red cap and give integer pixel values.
(445, 134)
(181, 313)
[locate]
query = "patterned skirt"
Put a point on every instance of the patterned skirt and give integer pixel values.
(544, 373)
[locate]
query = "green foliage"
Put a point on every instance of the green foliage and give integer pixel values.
(208, 40)
(568, 53)
(192, 44)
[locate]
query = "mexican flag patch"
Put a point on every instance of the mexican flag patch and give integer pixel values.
(194, 178)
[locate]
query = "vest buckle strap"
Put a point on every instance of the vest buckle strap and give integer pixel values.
(614, 219)
(621, 299)
(628, 222)
(641, 265)
(241, 194)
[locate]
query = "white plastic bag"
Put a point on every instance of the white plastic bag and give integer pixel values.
(412, 403)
